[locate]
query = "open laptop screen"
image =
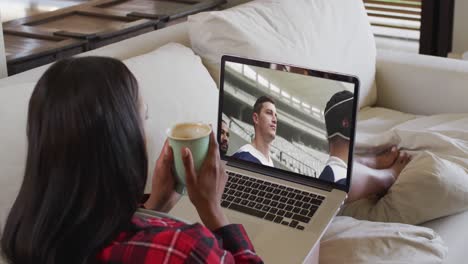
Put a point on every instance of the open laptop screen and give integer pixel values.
(288, 118)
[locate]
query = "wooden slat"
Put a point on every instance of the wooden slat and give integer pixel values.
(416, 4)
(23, 47)
(144, 6)
(393, 10)
(41, 16)
(397, 2)
(160, 8)
(201, 6)
(393, 26)
(80, 22)
(395, 17)
(30, 31)
(111, 14)
(407, 10)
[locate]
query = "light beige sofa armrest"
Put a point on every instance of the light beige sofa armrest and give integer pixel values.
(3, 66)
(419, 84)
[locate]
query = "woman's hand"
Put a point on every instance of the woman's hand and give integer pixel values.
(206, 188)
(163, 196)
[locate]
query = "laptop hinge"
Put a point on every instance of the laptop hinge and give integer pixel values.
(311, 182)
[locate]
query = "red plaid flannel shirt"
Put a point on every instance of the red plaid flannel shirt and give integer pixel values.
(163, 240)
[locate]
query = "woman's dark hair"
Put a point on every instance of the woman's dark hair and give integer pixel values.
(86, 165)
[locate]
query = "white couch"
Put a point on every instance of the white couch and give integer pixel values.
(3, 66)
(415, 84)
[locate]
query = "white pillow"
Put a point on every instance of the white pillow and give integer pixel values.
(177, 88)
(431, 186)
(348, 240)
(14, 102)
(435, 183)
(331, 35)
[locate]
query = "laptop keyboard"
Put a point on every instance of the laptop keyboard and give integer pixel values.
(270, 201)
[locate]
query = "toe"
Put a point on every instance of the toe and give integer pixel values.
(402, 157)
(406, 158)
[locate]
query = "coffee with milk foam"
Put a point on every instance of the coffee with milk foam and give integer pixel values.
(190, 131)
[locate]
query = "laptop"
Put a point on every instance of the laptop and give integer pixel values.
(285, 181)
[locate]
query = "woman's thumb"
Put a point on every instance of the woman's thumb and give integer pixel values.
(188, 164)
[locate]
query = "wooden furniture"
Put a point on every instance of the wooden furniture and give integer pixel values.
(34, 41)
(41, 39)
(166, 10)
(28, 50)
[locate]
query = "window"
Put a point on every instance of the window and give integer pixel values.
(437, 27)
(423, 26)
(395, 23)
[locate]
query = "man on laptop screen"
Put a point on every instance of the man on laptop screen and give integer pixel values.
(277, 118)
(224, 140)
(338, 121)
(264, 119)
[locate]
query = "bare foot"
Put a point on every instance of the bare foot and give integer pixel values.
(389, 176)
(382, 160)
(400, 163)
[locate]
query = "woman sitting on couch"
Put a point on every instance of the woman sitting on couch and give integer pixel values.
(86, 171)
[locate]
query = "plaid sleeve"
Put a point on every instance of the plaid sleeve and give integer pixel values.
(160, 240)
(235, 240)
(233, 246)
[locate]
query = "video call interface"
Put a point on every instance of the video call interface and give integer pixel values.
(281, 117)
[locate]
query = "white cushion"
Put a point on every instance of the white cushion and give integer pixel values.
(415, 83)
(453, 231)
(331, 35)
(14, 102)
(177, 88)
(348, 240)
(434, 184)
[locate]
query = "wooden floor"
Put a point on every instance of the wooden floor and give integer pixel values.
(13, 9)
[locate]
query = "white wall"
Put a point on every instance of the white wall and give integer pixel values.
(460, 27)
(3, 67)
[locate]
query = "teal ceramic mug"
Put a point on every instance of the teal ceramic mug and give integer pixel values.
(196, 137)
